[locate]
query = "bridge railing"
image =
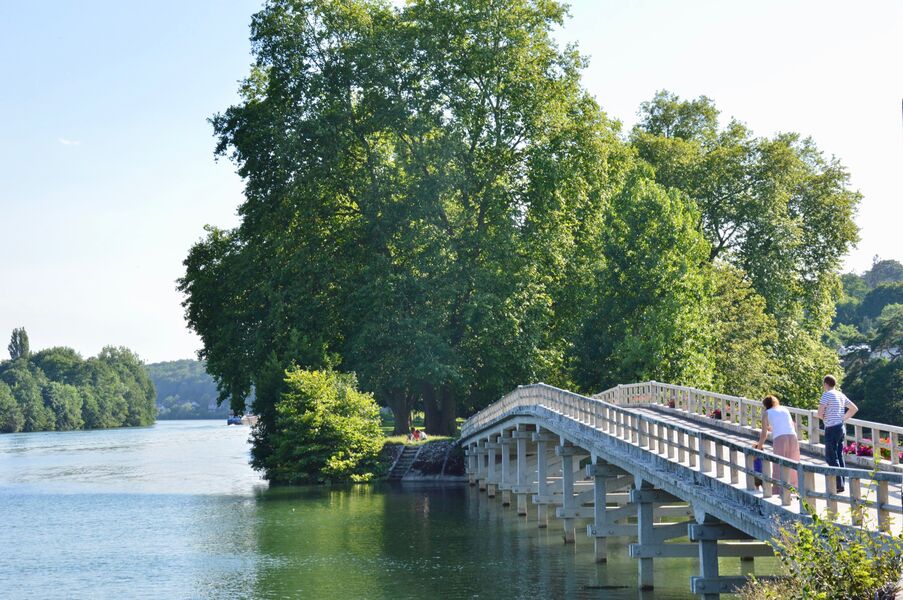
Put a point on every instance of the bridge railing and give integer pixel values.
(709, 453)
(873, 443)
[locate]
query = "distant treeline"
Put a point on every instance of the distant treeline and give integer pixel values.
(868, 332)
(185, 391)
(58, 390)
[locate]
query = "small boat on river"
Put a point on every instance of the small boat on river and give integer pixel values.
(242, 420)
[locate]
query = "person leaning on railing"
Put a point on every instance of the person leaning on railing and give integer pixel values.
(779, 420)
(835, 409)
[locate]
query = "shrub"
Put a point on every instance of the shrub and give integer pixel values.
(825, 561)
(325, 430)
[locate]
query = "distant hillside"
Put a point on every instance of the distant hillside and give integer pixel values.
(185, 391)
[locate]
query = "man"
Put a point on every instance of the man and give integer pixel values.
(835, 409)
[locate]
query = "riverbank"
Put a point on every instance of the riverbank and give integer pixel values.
(439, 461)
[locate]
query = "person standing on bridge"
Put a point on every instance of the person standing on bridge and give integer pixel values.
(835, 409)
(784, 440)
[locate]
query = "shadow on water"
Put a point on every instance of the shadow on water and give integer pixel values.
(176, 512)
(387, 541)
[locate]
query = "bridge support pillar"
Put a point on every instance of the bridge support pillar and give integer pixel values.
(521, 436)
(471, 465)
(491, 479)
(482, 465)
(605, 477)
(542, 439)
(706, 532)
(567, 489)
(505, 484)
(645, 513)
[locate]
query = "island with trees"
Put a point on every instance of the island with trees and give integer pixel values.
(55, 389)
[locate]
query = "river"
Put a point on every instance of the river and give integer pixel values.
(174, 511)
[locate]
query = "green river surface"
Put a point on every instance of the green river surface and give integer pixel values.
(175, 511)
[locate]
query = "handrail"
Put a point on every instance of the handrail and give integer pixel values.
(702, 450)
(875, 443)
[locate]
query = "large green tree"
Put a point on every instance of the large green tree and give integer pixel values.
(775, 208)
(420, 183)
(649, 320)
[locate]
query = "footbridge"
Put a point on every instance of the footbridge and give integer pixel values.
(674, 468)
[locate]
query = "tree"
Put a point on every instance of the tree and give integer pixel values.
(66, 404)
(883, 271)
(325, 429)
(135, 385)
(744, 337)
(441, 172)
(26, 383)
(875, 301)
(775, 208)
(11, 417)
(650, 320)
(18, 344)
(889, 331)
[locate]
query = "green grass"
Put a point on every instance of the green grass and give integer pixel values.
(388, 426)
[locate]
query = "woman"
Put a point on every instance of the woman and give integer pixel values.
(778, 419)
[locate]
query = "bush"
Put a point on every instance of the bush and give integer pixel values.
(827, 562)
(325, 430)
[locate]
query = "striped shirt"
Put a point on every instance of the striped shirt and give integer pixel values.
(835, 404)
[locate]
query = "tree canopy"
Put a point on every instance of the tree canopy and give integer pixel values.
(55, 389)
(434, 202)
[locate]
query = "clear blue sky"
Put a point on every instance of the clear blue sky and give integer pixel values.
(107, 174)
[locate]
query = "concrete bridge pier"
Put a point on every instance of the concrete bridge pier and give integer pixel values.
(645, 512)
(491, 479)
(505, 443)
(524, 479)
(542, 440)
(568, 506)
(707, 531)
(605, 479)
(482, 465)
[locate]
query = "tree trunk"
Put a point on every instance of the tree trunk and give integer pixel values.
(448, 424)
(431, 415)
(401, 410)
(439, 410)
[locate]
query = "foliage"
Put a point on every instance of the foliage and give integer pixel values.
(649, 320)
(56, 389)
(879, 297)
(18, 344)
(825, 561)
(434, 202)
(776, 208)
(442, 206)
(883, 271)
(744, 337)
(325, 430)
(877, 388)
(11, 417)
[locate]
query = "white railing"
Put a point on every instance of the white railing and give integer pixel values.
(876, 443)
(709, 452)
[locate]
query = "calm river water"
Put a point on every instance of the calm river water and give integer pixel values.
(174, 511)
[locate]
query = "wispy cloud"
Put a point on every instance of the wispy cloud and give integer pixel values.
(66, 142)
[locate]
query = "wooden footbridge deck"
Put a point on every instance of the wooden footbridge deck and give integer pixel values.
(635, 460)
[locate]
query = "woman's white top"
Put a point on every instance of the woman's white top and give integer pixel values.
(781, 422)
